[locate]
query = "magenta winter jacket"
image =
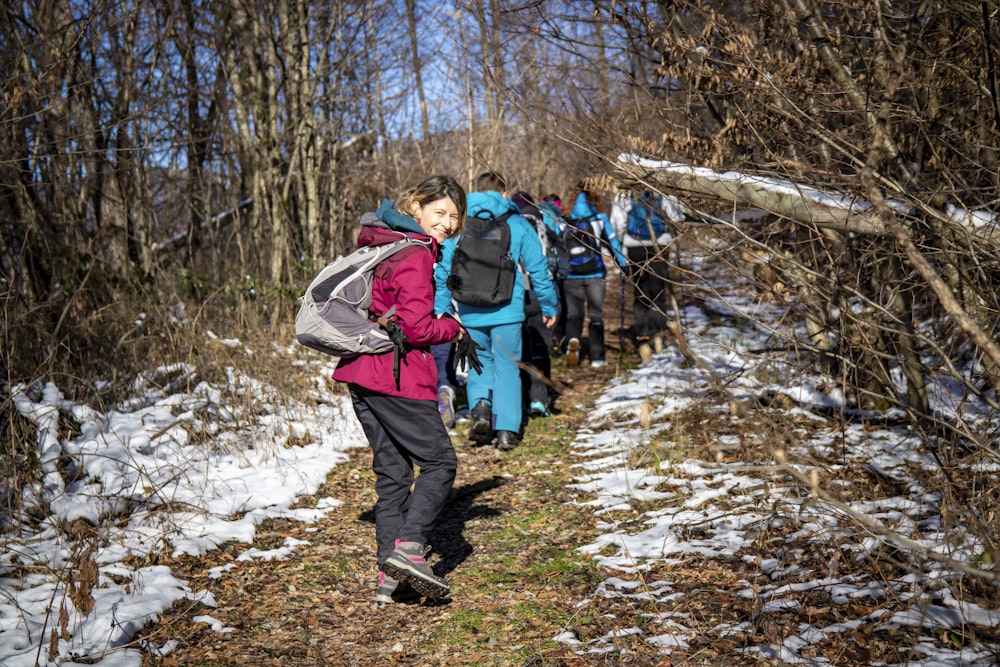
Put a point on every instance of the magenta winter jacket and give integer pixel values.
(406, 281)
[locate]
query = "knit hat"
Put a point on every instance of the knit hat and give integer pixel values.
(522, 199)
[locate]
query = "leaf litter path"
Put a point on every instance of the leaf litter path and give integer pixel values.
(508, 542)
(509, 518)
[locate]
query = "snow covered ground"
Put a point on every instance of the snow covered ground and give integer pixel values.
(171, 471)
(719, 510)
(154, 487)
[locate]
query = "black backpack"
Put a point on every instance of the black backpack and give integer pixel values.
(482, 269)
(583, 248)
(549, 240)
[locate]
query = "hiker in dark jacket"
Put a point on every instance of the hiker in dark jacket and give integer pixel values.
(402, 422)
(536, 379)
(551, 210)
(495, 392)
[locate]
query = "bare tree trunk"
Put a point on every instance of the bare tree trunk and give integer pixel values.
(243, 140)
(491, 139)
(916, 386)
(418, 68)
(637, 75)
(185, 40)
(493, 56)
(249, 93)
(302, 82)
(131, 150)
(604, 66)
(470, 106)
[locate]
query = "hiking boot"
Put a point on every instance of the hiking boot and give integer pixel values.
(597, 363)
(446, 405)
(408, 563)
(573, 352)
(481, 426)
(538, 409)
(507, 440)
(390, 591)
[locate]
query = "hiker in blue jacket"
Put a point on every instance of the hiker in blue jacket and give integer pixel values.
(585, 285)
(495, 393)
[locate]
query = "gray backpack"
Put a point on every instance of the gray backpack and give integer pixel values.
(334, 318)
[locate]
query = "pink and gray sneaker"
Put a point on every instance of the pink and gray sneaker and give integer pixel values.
(408, 563)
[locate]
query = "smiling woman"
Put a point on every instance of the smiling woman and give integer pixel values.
(395, 395)
(438, 206)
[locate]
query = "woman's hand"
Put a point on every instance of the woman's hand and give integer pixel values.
(455, 317)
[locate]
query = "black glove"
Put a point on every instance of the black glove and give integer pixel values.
(465, 353)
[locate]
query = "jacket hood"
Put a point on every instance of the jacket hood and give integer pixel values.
(582, 208)
(491, 201)
(387, 225)
(393, 219)
(551, 208)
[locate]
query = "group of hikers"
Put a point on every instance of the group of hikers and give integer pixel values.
(573, 241)
(486, 289)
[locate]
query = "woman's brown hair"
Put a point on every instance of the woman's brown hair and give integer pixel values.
(593, 198)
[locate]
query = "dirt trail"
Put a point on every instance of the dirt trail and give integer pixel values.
(506, 542)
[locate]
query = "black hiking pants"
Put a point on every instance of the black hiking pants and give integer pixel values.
(536, 347)
(649, 272)
(404, 432)
(585, 299)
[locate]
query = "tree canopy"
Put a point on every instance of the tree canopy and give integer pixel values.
(215, 153)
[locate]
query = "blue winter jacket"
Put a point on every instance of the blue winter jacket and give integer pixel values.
(604, 232)
(526, 250)
(552, 217)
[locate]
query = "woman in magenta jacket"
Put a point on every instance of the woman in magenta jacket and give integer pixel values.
(401, 420)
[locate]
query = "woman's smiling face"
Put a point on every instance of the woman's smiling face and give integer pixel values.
(439, 218)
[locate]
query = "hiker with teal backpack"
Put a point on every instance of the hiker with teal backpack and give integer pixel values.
(478, 276)
(398, 410)
(587, 232)
(642, 222)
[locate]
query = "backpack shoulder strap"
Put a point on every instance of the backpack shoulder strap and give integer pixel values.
(400, 249)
